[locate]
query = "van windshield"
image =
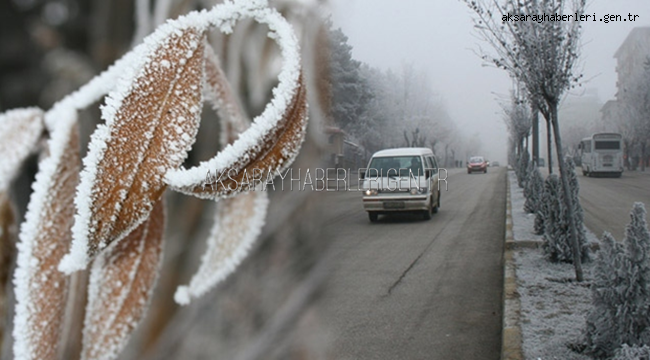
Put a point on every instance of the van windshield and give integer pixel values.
(394, 165)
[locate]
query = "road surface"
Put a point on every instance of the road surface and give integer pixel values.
(607, 201)
(405, 288)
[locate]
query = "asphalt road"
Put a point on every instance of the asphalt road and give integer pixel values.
(405, 288)
(607, 201)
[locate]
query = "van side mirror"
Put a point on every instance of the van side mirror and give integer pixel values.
(428, 172)
(362, 174)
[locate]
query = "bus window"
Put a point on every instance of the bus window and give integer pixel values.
(608, 145)
(586, 146)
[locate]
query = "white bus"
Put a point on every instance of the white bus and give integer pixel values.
(602, 153)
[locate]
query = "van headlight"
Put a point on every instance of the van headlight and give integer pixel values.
(370, 192)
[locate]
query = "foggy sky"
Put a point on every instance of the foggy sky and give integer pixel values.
(437, 36)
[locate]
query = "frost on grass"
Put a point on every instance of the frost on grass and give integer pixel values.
(20, 130)
(272, 142)
(45, 236)
(553, 307)
(239, 222)
(151, 122)
(122, 279)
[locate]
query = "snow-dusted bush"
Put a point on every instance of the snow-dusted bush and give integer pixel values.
(557, 243)
(552, 213)
(540, 212)
(534, 189)
(635, 320)
(602, 333)
(627, 352)
(620, 290)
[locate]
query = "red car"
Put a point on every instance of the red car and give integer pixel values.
(477, 164)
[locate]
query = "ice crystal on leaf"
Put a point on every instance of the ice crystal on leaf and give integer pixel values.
(272, 142)
(122, 279)
(110, 213)
(238, 223)
(45, 236)
(238, 220)
(20, 129)
(150, 126)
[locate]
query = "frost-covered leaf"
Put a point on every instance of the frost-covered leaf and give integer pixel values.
(238, 223)
(256, 153)
(219, 92)
(151, 122)
(45, 236)
(272, 142)
(7, 250)
(121, 283)
(238, 220)
(20, 130)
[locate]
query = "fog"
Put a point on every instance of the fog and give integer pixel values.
(438, 37)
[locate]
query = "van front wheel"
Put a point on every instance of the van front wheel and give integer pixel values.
(373, 216)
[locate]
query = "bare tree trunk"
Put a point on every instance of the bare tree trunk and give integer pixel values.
(549, 148)
(535, 134)
(643, 156)
(568, 200)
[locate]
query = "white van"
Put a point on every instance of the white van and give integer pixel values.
(401, 180)
(602, 153)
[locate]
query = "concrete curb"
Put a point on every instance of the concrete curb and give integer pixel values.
(511, 343)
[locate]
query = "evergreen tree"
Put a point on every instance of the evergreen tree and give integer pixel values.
(620, 292)
(351, 93)
(534, 188)
(632, 353)
(557, 244)
(602, 334)
(634, 313)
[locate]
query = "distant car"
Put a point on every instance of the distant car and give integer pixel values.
(495, 163)
(477, 164)
(401, 180)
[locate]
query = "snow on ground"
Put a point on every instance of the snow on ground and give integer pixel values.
(553, 305)
(522, 223)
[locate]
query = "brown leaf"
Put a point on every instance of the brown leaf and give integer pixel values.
(41, 290)
(224, 101)
(7, 251)
(154, 126)
(275, 150)
(20, 130)
(122, 279)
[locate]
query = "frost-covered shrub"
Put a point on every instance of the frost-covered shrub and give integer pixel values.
(557, 242)
(635, 320)
(533, 190)
(602, 333)
(552, 214)
(620, 290)
(627, 352)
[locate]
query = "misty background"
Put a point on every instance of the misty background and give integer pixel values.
(437, 39)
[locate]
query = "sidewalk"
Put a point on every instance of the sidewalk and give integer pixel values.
(543, 307)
